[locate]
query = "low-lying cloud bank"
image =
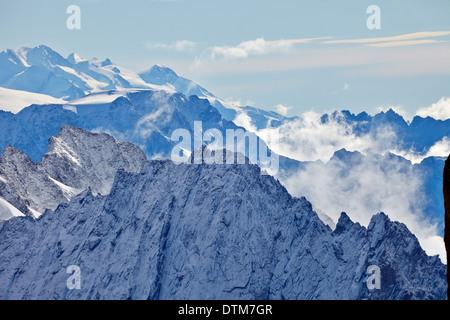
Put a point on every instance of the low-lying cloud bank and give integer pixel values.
(308, 138)
(439, 110)
(362, 183)
(362, 186)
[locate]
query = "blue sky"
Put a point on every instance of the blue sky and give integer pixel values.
(264, 53)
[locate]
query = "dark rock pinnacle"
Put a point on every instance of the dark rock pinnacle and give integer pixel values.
(446, 190)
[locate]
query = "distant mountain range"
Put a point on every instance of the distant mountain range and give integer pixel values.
(43, 71)
(418, 136)
(147, 107)
(59, 156)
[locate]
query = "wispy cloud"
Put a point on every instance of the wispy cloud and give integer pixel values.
(260, 46)
(255, 47)
(358, 185)
(403, 43)
(370, 185)
(248, 48)
(303, 40)
(396, 61)
(282, 109)
(439, 110)
(398, 40)
(381, 56)
(180, 46)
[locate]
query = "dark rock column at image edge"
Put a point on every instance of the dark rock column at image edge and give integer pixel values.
(447, 217)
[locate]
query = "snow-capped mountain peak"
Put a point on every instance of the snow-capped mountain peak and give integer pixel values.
(76, 160)
(43, 70)
(162, 75)
(45, 56)
(81, 159)
(159, 74)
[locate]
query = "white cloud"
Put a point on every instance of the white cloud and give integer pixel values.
(255, 47)
(236, 104)
(282, 109)
(366, 188)
(404, 43)
(243, 120)
(248, 48)
(307, 138)
(163, 115)
(440, 148)
(368, 61)
(184, 45)
(261, 46)
(180, 46)
(439, 110)
(363, 188)
(385, 56)
(396, 40)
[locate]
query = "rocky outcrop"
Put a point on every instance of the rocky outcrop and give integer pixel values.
(76, 160)
(447, 214)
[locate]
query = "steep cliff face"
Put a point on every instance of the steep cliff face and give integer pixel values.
(446, 190)
(208, 232)
(75, 160)
(28, 188)
(81, 159)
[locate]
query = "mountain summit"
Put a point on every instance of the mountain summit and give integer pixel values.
(164, 76)
(43, 70)
(76, 160)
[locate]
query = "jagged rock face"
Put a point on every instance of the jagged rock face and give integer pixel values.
(208, 232)
(76, 160)
(26, 186)
(81, 159)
